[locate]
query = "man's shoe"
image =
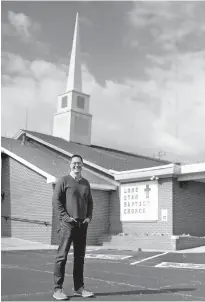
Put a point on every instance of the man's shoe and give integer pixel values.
(83, 293)
(59, 295)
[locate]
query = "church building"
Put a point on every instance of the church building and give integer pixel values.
(139, 201)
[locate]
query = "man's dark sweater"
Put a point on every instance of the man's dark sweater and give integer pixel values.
(73, 199)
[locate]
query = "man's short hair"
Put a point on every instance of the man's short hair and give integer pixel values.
(77, 155)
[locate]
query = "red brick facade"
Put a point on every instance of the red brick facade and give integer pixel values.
(145, 228)
(189, 208)
(185, 203)
(28, 199)
(100, 221)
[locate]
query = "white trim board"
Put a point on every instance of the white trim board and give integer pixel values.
(192, 176)
(193, 168)
(27, 164)
(181, 172)
(148, 173)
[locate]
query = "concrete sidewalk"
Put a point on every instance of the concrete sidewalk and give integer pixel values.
(16, 244)
(200, 249)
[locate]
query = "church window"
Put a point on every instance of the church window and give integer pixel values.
(80, 102)
(64, 102)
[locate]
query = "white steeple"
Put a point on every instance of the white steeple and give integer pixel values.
(74, 81)
(72, 121)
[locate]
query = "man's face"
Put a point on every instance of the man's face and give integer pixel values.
(76, 165)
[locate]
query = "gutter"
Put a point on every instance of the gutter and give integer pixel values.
(148, 173)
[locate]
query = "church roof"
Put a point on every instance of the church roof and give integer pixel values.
(106, 158)
(47, 160)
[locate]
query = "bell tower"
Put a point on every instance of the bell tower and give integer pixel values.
(72, 121)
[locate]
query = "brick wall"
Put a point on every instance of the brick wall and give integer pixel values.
(189, 208)
(100, 220)
(27, 196)
(115, 223)
(144, 228)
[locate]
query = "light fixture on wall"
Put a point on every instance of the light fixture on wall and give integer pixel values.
(154, 178)
(157, 179)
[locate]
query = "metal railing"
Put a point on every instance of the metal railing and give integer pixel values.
(46, 223)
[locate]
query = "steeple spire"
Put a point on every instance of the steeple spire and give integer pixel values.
(74, 81)
(73, 121)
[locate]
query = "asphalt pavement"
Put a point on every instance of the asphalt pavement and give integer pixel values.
(112, 274)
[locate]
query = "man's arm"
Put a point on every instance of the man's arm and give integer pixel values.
(59, 201)
(90, 205)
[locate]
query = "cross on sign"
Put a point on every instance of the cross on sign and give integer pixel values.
(147, 190)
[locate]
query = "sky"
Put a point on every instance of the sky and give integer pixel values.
(143, 64)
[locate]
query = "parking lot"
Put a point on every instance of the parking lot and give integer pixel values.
(111, 274)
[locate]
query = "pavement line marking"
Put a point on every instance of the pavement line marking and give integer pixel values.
(93, 249)
(9, 266)
(96, 279)
(25, 295)
(90, 249)
(90, 278)
(181, 265)
(194, 298)
(152, 257)
(126, 257)
(107, 256)
(124, 274)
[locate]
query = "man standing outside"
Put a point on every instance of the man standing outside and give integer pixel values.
(74, 204)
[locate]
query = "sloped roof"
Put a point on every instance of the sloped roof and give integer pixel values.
(101, 156)
(46, 160)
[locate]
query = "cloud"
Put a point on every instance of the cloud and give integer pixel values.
(23, 25)
(168, 22)
(182, 94)
(137, 116)
(22, 29)
(29, 85)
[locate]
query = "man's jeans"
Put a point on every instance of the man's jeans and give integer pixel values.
(76, 233)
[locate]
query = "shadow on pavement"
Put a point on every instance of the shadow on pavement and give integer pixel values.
(145, 292)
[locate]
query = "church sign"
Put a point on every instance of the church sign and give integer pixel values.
(139, 201)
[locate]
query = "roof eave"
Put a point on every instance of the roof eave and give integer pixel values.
(192, 172)
(148, 173)
(94, 186)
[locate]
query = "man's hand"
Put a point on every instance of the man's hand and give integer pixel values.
(87, 220)
(73, 219)
(70, 219)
